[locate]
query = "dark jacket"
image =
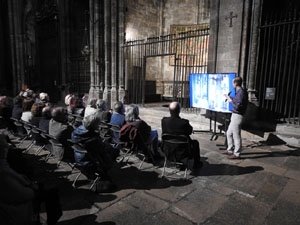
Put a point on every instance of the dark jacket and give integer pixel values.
(17, 112)
(104, 116)
(61, 131)
(143, 128)
(176, 125)
(44, 124)
(240, 102)
(35, 121)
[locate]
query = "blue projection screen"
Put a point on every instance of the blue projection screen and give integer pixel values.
(207, 91)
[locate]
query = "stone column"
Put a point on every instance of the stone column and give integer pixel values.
(253, 48)
(92, 47)
(16, 35)
(96, 23)
(114, 14)
(121, 52)
(107, 44)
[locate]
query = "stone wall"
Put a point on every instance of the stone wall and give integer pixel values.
(146, 18)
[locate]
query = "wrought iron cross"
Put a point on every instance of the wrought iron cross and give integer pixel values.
(230, 17)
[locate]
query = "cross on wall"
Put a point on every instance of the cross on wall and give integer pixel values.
(230, 17)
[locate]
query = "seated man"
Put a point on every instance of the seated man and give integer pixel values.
(58, 126)
(178, 126)
(118, 117)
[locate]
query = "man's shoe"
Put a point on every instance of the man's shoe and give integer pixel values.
(227, 153)
(198, 165)
(233, 157)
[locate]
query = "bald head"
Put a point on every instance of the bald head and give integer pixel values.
(174, 108)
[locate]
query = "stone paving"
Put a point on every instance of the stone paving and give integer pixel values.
(261, 188)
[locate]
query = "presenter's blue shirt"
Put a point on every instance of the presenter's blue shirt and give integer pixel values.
(240, 101)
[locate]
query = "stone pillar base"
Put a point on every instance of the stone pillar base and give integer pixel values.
(122, 95)
(114, 95)
(107, 96)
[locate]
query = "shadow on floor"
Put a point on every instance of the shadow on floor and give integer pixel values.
(209, 169)
(85, 220)
(257, 155)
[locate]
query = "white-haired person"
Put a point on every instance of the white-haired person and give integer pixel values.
(102, 111)
(144, 130)
(91, 107)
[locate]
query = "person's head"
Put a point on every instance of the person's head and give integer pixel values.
(132, 113)
(3, 100)
(3, 147)
(91, 122)
(101, 105)
(36, 109)
(68, 99)
(174, 108)
(18, 101)
(237, 82)
(59, 114)
(92, 102)
(119, 107)
(27, 104)
(46, 112)
(44, 97)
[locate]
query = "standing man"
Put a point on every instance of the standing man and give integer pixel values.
(239, 106)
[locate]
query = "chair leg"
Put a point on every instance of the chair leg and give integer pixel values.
(185, 174)
(29, 147)
(39, 150)
(94, 182)
(22, 140)
(74, 182)
(129, 156)
(142, 162)
(164, 169)
(48, 156)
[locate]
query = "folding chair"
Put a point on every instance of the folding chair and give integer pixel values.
(77, 147)
(175, 142)
(104, 131)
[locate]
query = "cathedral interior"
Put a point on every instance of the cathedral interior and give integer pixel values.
(149, 59)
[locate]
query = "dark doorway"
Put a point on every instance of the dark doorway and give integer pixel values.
(48, 55)
(5, 70)
(278, 79)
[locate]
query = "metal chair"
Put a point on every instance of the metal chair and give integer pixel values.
(174, 141)
(77, 147)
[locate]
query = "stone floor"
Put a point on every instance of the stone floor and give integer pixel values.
(261, 188)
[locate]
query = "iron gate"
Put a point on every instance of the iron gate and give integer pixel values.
(278, 60)
(188, 53)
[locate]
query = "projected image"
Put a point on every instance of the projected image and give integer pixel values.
(207, 91)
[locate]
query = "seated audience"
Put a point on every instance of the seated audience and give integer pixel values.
(27, 115)
(77, 107)
(58, 126)
(178, 126)
(36, 111)
(102, 112)
(44, 121)
(91, 107)
(17, 109)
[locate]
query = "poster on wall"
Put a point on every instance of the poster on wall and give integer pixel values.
(192, 51)
(207, 91)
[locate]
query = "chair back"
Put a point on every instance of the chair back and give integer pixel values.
(176, 147)
(57, 147)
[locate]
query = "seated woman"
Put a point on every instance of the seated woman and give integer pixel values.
(36, 111)
(147, 135)
(91, 107)
(46, 117)
(27, 115)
